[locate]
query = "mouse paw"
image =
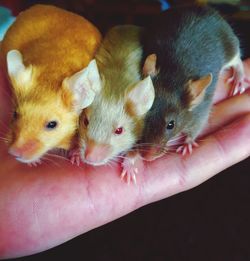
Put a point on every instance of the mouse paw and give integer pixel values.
(238, 86)
(187, 148)
(35, 163)
(130, 168)
(75, 157)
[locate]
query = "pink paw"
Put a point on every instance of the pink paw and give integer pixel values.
(75, 157)
(130, 168)
(238, 86)
(187, 148)
(35, 163)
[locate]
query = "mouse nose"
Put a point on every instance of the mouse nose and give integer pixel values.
(24, 150)
(97, 153)
(16, 152)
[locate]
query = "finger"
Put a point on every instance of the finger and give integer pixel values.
(217, 152)
(50, 205)
(247, 66)
(223, 149)
(223, 88)
(225, 112)
(53, 204)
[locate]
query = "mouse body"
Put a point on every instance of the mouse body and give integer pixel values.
(185, 50)
(47, 53)
(113, 123)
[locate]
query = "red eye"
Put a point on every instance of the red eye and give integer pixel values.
(119, 131)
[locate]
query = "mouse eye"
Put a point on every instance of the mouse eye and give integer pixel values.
(51, 125)
(119, 131)
(171, 125)
(15, 115)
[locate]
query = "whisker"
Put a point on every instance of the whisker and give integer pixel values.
(111, 163)
(52, 161)
(179, 136)
(174, 144)
(120, 157)
(4, 139)
(170, 153)
(146, 144)
(152, 145)
(200, 139)
(128, 151)
(57, 156)
(175, 140)
(63, 153)
(171, 150)
(116, 159)
(159, 145)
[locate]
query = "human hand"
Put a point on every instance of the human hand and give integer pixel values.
(41, 207)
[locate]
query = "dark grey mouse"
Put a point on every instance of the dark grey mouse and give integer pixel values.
(185, 49)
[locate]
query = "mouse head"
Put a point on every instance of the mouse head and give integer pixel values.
(113, 124)
(45, 116)
(174, 111)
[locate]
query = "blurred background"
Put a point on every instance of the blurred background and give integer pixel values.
(208, 223)
(105, 13)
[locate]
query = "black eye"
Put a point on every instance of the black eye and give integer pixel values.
(51, 125)
(170, 125)
(15, 115)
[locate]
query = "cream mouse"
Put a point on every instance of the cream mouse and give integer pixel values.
(113, 123)
(185, 50)
(48, 56)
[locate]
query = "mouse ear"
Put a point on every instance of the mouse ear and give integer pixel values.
(84, 85)
(142, 96)
(149, 67)
(197, 90)
(19, 74)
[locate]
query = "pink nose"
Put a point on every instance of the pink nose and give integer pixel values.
(22, 151)
(16, 152)
(97, 152)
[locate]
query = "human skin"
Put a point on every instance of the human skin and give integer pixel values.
(44, 206)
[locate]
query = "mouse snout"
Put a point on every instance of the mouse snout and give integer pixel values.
(25, 150)
(151, 153)
(97, 153)
(16, 152)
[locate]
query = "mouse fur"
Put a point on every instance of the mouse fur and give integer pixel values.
(113, 123)
(47, 53)
(190, 45)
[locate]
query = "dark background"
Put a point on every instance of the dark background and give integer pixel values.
(208, 223)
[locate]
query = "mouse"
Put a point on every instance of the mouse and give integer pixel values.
(48, 55)
(185, 50)
(112, 124)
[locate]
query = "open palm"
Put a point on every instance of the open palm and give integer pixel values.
(41, 207)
